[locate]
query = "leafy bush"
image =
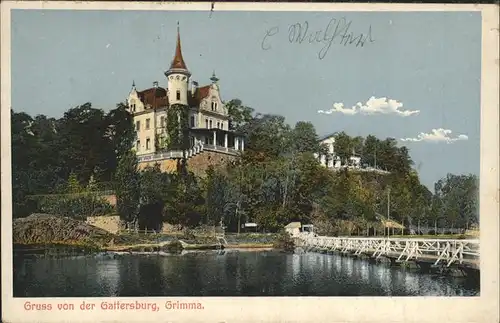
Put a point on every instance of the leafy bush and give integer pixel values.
(188, 235)
(284, 242)
(75, 206)
(173, 247)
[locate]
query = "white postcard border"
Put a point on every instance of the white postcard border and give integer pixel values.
(290, 309)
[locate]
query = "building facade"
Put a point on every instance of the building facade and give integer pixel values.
(207, 117)
(332, 161)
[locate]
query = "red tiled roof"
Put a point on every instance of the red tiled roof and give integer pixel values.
(202, 92)
(156, 97)
(199, 94)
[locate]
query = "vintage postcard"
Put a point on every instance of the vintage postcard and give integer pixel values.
(245, 162)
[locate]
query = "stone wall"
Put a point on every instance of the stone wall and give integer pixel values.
(197, 164)
(200, 163)
(168, 228)
(111, 224)
(166, 165)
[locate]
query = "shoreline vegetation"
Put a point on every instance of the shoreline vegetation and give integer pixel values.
(69, 167)
(43, 234)
(69, 237)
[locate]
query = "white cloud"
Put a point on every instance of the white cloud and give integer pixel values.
(339, 107)
(373, 106)
(437, 135)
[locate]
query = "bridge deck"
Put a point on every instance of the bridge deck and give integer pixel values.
(437, 252)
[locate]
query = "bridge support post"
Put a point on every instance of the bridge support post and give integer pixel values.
(424, 266)
(393, 261)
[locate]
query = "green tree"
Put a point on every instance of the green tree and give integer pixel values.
(127, 187)
(239, 114)
(369, 151)
(120, 133)
(303, 138)
(343, 147)
(73, 184)
(458, 196)
(83, 145)
(217, 196)
(267, 136)
(184, 202)
(151, 185)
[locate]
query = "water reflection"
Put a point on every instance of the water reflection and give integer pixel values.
(108, 275)
(232, 273)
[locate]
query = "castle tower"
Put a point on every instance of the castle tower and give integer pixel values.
(178, 76)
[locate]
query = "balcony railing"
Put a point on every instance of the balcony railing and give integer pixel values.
(220, 149)
(176, 154)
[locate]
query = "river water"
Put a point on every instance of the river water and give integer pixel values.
(233, 273)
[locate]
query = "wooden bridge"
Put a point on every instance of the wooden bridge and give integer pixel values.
(463, 254)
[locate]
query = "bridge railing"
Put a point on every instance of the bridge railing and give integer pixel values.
(446, 251)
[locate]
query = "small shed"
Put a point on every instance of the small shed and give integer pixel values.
(293, 228)
(391, 224)
(249, 226)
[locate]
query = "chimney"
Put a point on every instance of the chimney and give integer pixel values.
(194, 87)
(155, 84)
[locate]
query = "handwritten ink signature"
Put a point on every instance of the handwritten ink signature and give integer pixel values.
(336, 29)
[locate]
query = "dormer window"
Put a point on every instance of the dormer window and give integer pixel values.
(214, 106)
(132, 107)
(178, 95)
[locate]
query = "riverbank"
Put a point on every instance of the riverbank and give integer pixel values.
(50, 235)
(62, 250)
(42, 234)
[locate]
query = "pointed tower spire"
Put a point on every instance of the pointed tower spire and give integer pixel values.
(178, 61)
(214, 78)
(133, 89)
(178, 76)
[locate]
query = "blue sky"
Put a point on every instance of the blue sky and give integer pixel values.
(427, 61)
